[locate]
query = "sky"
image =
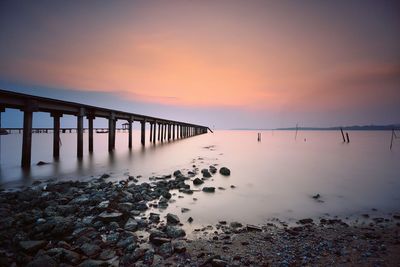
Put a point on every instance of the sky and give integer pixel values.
(224, 64)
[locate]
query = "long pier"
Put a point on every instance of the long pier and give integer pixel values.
(28, 104)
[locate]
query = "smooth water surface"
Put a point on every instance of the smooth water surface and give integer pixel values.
(273, 178)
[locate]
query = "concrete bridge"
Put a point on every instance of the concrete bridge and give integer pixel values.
(28, 104)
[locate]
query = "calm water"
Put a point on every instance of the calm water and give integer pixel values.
(273, 178)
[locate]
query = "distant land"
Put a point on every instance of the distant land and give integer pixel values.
(347, 128)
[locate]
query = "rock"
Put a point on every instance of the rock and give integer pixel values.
(179, 246)
(225, 171)
(42, 261)
(103, 204)
(160, 240)
(251, 227)
(131, 225)
(110, 216)
(90, 249)
(184, 210)
(197, 181)
(208, 189)
(206, 173)
(93, 263)
(172, 218)
(186, 191)
(148, 257)
(235, 224)
(107, 254)
(190, 220)
(233, 186)
(317, 196)
(142, 206)
(174, 232)
(105, 176)
(32, 246)
(213, 169)
(66, 254)
(165, 250)
(154, 217)
(306, 221)
(125, 207)
(218, 263)
(41, 163)
(177, 173)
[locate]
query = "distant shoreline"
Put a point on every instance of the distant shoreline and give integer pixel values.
(335, 128)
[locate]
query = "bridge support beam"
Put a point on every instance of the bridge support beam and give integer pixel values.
(154, 131)
(165, 131)
(151, 132)
(159, 131)
(143, 132)
(173, 131)
(130, 121)
(27, 140)
(90, 124)
(111, 132)
(79, 130)
(169, 131)
(56, 134)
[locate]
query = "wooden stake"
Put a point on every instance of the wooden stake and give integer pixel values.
(344, 140)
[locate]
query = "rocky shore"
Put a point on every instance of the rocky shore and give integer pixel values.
(104, 223)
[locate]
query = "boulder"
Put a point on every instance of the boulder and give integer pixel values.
(174, 232)
(225, 171)
(90, 249)
(208, 189)
(131, 225)
(197, 181)
(32, 246)
(110, 216)
(172, 218)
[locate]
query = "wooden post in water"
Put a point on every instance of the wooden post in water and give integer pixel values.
(143, 132)
(79, 130)
(391, 141)
(130, 121)
(56, 134)
(173, 131)
(169, 131)
(341, 130)
(111, 132)
(347, 136)
(165, 131)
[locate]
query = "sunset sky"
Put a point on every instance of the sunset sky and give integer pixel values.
(228, 64)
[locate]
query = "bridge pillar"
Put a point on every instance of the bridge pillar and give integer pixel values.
(143, 132)
(173, 131)
(165, 131)
(169, 131)
(162, 132)
(159, 131)
(154, 132)
(56, 134)
(112, 121)
(130, 121)
(79, 130)
(151, 132)
(30, 107)
(90, 124)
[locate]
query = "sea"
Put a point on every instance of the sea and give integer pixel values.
(274, 178)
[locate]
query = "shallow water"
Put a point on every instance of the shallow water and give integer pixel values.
(274, 178)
